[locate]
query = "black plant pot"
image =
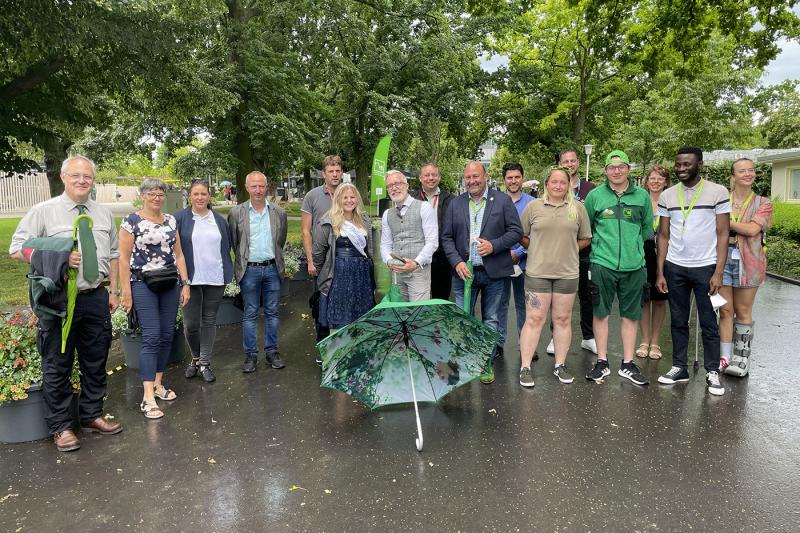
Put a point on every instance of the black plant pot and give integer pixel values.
(228, 314)
(132, 345)
(23, 420)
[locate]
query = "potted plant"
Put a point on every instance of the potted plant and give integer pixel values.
(21, 397)
(132, 339)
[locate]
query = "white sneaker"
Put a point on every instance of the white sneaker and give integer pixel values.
(589, 344)
(714, 385)
(551, 348)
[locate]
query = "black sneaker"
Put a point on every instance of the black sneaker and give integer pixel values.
(676, 374)
(632, 372)
(599, 371)
(274, 360)
(207, 375)
(498, 353)
(191, 370)
(249, 363)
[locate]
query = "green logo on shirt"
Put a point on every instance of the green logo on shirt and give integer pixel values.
(627, 212)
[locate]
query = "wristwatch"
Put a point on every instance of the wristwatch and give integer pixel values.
(183, 282)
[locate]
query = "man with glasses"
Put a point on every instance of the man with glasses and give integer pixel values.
(409, 236)
(621, 217)
(97, 261)
(481, 226)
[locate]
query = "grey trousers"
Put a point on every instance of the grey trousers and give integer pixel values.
(199, 320)
(415, 286)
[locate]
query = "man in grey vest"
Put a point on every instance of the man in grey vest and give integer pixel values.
(409, 236)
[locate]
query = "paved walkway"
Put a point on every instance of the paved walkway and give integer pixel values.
(272, 451)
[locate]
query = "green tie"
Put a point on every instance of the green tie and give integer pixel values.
(88, 248)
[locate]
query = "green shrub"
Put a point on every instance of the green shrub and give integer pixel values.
(786, 222)
(783, 257)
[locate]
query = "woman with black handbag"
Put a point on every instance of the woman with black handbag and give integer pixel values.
(154, 280)
(205, 239)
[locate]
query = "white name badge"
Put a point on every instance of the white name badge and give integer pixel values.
(735, 255)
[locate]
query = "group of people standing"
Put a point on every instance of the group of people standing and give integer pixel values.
(641, 246)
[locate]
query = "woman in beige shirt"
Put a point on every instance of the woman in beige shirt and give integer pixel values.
(554, 228)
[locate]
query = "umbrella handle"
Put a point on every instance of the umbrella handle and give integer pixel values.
(418, 440)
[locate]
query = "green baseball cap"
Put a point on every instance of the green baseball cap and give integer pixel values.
(618, 154)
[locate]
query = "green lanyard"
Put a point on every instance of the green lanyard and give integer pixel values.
(476, 209)
(688, 212)
(742, 209)
(656, 220)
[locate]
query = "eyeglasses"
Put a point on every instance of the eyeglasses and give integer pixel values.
(155, 196)
(616, 168)
(86, 177)
(396, 185)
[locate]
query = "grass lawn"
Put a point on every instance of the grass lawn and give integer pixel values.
(13, 284)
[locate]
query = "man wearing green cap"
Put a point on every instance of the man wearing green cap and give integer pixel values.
(621, 217)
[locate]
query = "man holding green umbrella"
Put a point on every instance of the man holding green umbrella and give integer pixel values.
(96, 262)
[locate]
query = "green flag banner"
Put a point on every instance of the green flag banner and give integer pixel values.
(378, 188)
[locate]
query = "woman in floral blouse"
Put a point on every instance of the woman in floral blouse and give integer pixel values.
(745, 269)
(149, 244)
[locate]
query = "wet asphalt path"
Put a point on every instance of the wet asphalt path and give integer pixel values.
(272, 451)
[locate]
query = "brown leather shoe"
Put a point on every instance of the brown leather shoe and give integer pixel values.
(103, 426)
(66, 441)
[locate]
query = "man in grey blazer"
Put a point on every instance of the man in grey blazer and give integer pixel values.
(258, 233)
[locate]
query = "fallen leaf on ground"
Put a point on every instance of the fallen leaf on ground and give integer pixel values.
(493, 411)
(211, 461)
(7, 496)
(305, 316)
(327, 491)
(295, 487)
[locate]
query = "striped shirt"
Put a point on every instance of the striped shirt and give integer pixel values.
(693, 241)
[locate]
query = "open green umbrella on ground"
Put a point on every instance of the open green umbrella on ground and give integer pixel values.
(404, 352)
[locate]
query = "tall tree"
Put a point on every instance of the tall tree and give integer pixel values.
(68, 65)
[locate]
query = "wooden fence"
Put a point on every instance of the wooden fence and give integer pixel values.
(18, 192)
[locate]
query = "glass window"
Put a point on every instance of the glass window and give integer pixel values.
(794, 184)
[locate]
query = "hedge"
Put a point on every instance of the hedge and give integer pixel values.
(786, 221)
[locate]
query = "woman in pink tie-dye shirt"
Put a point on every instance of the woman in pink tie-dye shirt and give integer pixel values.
(745, 268)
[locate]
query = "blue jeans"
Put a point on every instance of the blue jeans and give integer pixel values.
(490, 290)
(518, 286)
(261, 287)
(682, 281)
(156, 313)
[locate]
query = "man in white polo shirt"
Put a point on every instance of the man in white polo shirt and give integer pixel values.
(692, 250)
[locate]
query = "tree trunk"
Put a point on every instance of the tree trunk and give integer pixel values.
(306, 180)
(244, 153)
(55, 152)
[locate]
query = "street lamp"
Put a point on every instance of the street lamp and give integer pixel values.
(588, 149)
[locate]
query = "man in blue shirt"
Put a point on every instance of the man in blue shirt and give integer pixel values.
(258, 233)
(513, 175)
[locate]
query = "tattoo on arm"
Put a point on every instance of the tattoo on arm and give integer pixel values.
(532, 300)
